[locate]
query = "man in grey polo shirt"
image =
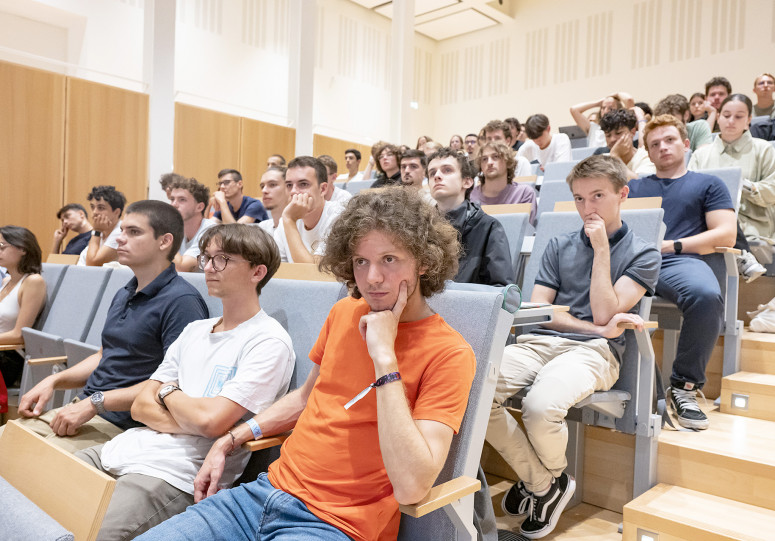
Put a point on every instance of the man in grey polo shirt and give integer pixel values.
(600, 272)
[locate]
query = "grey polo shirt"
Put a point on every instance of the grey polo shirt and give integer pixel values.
(570, 274)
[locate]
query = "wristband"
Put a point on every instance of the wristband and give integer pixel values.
(233, 443)
(254, 428)
(387, 378)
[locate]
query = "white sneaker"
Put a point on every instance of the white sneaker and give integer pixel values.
(748, 267)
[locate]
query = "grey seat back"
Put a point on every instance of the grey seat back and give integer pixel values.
(356, 186)
(197, 279)
(52, 274)
(582, 152)
(732, 177)
(117, 280)
(558, 170)
(515, 226)
(552, 192)
(301, 307)
(479, 318)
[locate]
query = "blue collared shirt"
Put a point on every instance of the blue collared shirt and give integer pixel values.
(139, 328)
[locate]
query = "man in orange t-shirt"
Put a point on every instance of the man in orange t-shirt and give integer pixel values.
(374, 421)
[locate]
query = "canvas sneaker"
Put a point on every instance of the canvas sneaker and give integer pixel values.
(516, 502)
(748, 267)
(545, 510)
(688, 412)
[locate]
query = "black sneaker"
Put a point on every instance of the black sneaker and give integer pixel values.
(689, 414)
(545, 510)
(516, 502)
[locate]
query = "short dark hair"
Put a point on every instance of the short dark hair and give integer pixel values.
(466, 171)
(414, 153)
(673, 104)
(645, 107)
(470, 135)
(163, 218)
(404, 216)
(741, 98)
(311, 161)
(613, 120)
(329, 163)
(168, 179)
(69, 207)
(495, 125)
(198, 191)
(354, 151)
(282, 158)
(224, 172)
(23, 239)
(252, 243)
(718, 81)
(536, 125)
(110, 195)
(513, 122)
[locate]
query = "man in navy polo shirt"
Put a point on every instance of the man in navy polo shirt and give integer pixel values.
(699, 216)
(600, 272)
(145, 317)
(233, 207)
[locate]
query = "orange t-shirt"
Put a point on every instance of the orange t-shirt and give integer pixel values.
(332, 461)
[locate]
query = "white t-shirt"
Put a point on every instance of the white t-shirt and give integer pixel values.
(190, 248)
(110, 242)
(314, 239)
(344, 176)
(596, 136)
(250, 365)
(341, 196)
(267, 225)
(640, 164)
(523, 167)
(558, 150)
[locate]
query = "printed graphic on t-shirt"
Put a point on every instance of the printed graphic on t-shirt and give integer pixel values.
(221, 374)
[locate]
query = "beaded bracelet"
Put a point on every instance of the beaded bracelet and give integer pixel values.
(387, 378)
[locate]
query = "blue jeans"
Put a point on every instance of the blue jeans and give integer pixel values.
(253, 511)
(690, 283)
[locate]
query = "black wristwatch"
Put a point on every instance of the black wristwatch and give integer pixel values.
(96, 233)
(677, 247)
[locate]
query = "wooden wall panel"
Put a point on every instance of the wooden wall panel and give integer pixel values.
(259, 140)
(205, 142)
(32, 108)
(336, 148)
(106, 140)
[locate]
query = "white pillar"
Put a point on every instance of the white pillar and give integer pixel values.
(301, 71)
(159, 73)
(401, 70)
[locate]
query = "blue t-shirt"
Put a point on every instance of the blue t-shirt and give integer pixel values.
(685, 199)
(249, 207)
(77, 244)
(139, 328)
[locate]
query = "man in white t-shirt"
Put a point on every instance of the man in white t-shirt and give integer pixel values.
(190, 198)
(543, 146)
(274, 196)
(107, 204)
(352, 161)
(306, 221)
(332, 192)
(218, 372)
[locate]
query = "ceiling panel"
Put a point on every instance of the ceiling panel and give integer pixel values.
(456, 24)
(370, 4)
(421, 7)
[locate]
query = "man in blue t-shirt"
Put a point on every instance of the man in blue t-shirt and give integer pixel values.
(73, 218)
(233, 207)
(144, 319)
(699, 216)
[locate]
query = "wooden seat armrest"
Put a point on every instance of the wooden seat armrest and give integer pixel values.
(47, 360)
(9, 347)
(266, 443)
(726, 250)
(646, 325)
(441, 495)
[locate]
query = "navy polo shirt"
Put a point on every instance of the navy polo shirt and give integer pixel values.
(249, 207)
(685, 199)
(77, 244)
(566, 267)
(139, 328)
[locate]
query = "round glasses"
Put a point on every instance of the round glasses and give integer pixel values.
(219, 261)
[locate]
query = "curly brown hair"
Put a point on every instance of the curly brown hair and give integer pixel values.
(410, 221)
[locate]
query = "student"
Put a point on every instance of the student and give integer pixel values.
(485, 258)
(343, 471)
(352, 161)
(217, 372)
(333, 192)
(107, 204)
(144, 318)
(73, 218)
(230, 203)
(496, 161)
(275, 196)
(543, 146)
(619, 127)
(601, 272)
(190, 198)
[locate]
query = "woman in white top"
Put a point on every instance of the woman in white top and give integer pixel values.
(22, 295)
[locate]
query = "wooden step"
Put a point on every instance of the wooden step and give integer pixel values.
(757, 353)
(679, 513)
(732, 459)
(749, 394)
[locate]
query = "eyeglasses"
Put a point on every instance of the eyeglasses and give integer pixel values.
(219, 261)
(224, 182)
(386, 155)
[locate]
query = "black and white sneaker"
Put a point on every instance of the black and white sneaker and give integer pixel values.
(516, 502)
(684, 404)
(545, 510)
